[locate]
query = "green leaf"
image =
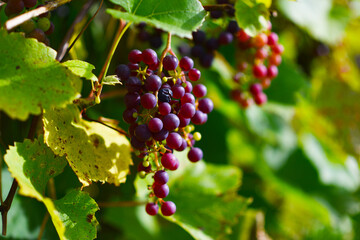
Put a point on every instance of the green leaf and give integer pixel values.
(205, 196)
(81, 69)
(179, 17)
(324, 20)
(111, 80)
(74, 215)
(33, 163)
(95, 152)
(252, 16)
(31, 78)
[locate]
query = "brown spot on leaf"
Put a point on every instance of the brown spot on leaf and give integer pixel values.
(89, 218)
(96, 142)
(96, 166)
(17, 67)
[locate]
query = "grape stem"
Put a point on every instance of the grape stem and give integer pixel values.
(16, 21)
(64, 46)
(5, 206)
(121, 30)
(122, 204)
(218, 7)
(166, 50)
(119, 130)
(43, 225)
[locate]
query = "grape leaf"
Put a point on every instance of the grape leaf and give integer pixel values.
(179, 17)
(323, 20)
(33, 163)
(252, 16)
(205, 196)
(74, 215)
(81, 69)
(94, 151)
(31, 78)
(111, 80)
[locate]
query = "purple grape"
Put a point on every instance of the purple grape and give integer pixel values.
(187, 110)
(135, 56)
(186, 63)
(188, 87)
(160, 136)
(225, 38)
(184, 121)
(199, 37)
(206, 105)
(168, 208)
(123, 72)
(169, 161)
(197, 51)
(170, 62)
(260, 98)
(199, 118)
(142, 133)
(199, 90)
(155, 66)
(164, 108)
(255, 88)
(178, 91)
(161, 177)
(152, 209)
(156, 41)
(183, 146)
(155, 125)
(14, 7)
(136, 143)
(30, 3)
(132, 100)
(216, 14)
(194, 74)
(133, 84)
(148, 100)
(128, 115)
(171, 121)
(212, 44)
(233, 27)
(195, 154)
(206, 60)
(153, 83)
(165, 95)
(161, 191)
(143, 35)
(184, 49)
(174, 140)
(188, 98)
(149, 57)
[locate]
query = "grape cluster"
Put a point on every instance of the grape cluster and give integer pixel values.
(258, 61)
(37, 28)
(162, 109)
(153, 36)
(204, 48)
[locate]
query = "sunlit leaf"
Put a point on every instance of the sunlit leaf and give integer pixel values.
(31, 78)
(179, 17)
(94, 151)
(81, 69)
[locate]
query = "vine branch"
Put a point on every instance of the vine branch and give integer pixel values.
(16, 21)
(217, 7)
(120, 32)
(63, 49)
(5, 206)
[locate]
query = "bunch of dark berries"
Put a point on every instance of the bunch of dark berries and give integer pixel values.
(162, 108)
(38, 27)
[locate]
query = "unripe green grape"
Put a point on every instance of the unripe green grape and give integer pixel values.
(28, 26)
(146, 163)
(44, 24)
(142, 174)
(197, 136)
